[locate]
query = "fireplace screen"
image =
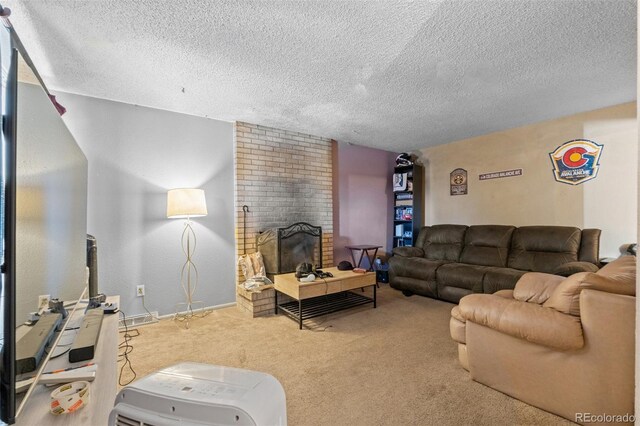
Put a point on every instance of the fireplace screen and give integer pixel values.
(284, 248)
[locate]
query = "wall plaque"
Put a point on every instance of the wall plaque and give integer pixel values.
(458, 182)
(576, 161)
(502, 174)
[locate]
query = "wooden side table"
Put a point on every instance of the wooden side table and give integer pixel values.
(364, 250)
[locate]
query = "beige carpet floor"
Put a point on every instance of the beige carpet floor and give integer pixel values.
(394, 365)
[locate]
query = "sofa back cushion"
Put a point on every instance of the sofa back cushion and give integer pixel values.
(617, 277)
(487, 245)
(442, 242)
(543, 248)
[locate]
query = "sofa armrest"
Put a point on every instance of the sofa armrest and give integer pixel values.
(408, 251)
(527, 321)
(536, 287)
(608, 321)
(571, 268)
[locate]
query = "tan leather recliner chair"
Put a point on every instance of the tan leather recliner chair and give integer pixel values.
(566, 345)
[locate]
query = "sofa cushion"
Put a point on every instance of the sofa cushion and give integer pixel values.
(415, 267)
(500, 278)
(507, 293)
(412, 285)
(461, 275)
(487, 245)
(452, 294)
(543, 248)
(617, 277)
(527, 321)
(568, 269)
(442, 242)
(408, 251)
(536, 287)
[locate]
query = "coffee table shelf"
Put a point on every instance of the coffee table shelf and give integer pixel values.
(322, 305)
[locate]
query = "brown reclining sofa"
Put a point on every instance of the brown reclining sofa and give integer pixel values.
(450, 261)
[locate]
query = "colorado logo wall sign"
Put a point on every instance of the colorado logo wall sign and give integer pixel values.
(576, 161)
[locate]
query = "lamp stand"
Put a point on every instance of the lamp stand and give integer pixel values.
(185, 311)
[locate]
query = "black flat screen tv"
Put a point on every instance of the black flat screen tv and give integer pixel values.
(43, 209)
(8, 99)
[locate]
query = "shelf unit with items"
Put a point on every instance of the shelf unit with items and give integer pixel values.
(408, 204)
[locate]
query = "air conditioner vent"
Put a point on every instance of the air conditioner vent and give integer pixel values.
(128, 421)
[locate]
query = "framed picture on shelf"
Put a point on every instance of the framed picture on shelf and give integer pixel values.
(399, 182)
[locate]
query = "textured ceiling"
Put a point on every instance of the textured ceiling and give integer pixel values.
(389, 74)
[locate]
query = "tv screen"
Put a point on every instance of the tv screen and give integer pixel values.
(44, 205)
(8, 79)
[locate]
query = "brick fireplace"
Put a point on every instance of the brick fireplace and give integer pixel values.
(283, 177)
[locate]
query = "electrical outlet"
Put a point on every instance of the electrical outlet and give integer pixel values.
(43, 301)
(140, 291)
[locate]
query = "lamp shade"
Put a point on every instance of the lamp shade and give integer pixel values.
(185, 202)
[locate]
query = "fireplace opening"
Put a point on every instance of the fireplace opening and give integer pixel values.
(284, 248)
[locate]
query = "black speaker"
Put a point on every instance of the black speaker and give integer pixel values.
(92, 263)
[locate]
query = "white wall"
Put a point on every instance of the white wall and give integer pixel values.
(608, 202)
(135, 155)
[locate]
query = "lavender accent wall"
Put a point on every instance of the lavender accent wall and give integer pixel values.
(363, 198)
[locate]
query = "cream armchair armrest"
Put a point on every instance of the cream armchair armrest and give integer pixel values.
(536, 287)
(527, 321)
(408, 251)
(608, 321)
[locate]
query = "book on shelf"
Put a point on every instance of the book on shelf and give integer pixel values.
(404, 202)
(407, 213)
(404, 196)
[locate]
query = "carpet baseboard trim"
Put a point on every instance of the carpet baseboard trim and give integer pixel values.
(207, 308)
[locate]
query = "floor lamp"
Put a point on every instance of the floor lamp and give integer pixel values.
(185, 204)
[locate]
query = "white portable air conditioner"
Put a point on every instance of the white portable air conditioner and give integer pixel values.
(201, 394)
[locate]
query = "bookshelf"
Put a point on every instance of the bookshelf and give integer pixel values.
(408, 204)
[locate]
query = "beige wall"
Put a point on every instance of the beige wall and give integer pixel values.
(535, 198)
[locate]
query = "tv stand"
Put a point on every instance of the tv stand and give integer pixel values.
(102, 391)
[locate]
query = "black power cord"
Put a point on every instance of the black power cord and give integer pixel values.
(127, 350)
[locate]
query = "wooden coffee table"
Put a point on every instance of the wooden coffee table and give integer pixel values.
(324, 295)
